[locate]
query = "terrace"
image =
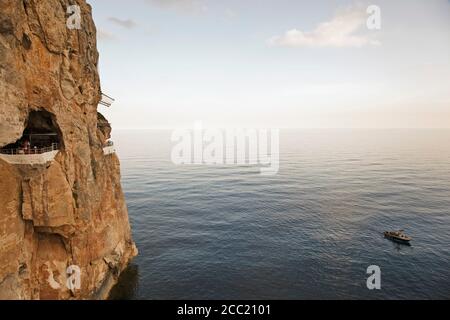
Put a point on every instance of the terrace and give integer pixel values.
(109, 148)
(39, 144)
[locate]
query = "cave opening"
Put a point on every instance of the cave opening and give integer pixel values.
(41, 135)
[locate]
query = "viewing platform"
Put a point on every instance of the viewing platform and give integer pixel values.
(31, 156)
(106, 100)
(109, 148)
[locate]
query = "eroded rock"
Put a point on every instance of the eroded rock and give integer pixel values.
(70, 212)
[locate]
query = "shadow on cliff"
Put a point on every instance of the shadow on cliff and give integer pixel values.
(126, 287)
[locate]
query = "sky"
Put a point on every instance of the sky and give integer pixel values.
(274, 63)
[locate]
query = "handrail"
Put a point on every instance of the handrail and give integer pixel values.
(31, 151)
(106, 100)
(108, 96)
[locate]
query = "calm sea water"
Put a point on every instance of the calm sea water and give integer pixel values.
(309, 232)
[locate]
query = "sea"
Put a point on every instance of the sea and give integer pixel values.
(309, 232)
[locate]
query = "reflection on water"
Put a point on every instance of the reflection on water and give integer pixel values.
(401, 246)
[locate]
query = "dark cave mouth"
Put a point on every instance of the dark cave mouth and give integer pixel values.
(41, 134)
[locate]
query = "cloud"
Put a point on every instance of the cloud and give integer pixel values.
(340, 31)
(183, 5)
(128, 24)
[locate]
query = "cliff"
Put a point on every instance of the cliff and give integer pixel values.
(71, 211)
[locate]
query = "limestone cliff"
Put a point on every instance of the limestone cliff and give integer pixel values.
(70, 211)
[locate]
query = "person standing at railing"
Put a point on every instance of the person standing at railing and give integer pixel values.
(26, 146)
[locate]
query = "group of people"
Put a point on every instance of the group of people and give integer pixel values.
(25, 147)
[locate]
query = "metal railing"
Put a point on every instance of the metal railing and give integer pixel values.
(30, 151)
(106, 100)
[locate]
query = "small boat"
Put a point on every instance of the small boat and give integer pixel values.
(397, 236)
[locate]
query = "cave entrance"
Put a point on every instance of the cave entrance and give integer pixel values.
(41, 135)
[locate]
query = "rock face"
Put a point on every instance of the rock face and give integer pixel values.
(68, 217)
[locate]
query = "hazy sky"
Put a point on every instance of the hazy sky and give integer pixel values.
(274, 63)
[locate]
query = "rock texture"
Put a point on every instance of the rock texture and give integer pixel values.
(71, 211)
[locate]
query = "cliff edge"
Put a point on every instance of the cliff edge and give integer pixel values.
(64, 228)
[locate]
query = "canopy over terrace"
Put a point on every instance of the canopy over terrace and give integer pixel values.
(106, 100)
